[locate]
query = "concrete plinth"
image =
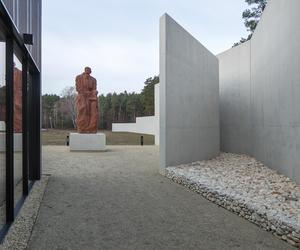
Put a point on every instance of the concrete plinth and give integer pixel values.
(87, 142)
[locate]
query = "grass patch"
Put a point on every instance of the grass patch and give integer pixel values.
(58, 137)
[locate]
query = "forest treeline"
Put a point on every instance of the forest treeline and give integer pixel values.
(59, 111)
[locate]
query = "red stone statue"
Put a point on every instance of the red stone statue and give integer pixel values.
(86, 102)
(17, 100)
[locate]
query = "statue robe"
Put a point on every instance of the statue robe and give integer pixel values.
(17, 100)
(86, 104)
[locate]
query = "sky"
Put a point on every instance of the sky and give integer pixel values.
(119, 39)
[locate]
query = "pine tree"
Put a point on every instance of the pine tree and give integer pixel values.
(251, 17)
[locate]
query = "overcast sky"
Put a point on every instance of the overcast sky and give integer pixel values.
(118, 39)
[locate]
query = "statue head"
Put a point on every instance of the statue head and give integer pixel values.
(87, 70)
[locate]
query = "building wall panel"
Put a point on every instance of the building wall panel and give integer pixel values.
(189, 97)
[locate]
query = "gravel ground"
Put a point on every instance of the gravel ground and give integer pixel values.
(248, 188)
(20, 232)
(118, 200)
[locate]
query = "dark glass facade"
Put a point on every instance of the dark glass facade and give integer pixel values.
(20, 97)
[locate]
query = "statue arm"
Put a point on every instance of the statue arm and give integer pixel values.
(95, 86)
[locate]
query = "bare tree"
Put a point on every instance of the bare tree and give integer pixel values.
(69, 98)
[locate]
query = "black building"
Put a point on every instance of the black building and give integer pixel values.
(20, 98)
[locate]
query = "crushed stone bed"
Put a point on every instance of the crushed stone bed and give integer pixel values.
(247, 187)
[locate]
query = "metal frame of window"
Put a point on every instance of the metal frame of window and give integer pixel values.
(31, 94)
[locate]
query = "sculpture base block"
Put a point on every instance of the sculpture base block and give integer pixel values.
(87, 142)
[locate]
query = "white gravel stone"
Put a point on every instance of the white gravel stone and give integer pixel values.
(247, 187)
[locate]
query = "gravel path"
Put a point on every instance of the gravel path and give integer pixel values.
(117, 200)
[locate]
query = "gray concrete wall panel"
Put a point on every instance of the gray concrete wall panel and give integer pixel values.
(264, 120)
(189, 97)
(235, 102)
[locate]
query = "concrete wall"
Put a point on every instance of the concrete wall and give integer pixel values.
(235, 99)
(144, 125)
(28, 19)
(260, 91)
(189, 97)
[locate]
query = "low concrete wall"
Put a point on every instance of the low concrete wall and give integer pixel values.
(260, 91)
(124, 127)
(144, 125)
(189, 97)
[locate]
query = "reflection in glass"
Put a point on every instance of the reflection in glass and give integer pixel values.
(2, 132)
(17, 128)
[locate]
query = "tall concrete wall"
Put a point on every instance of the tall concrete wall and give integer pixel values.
(156, 100)
(156, 114)
(189, 97)
(235, 99)
(260, 91)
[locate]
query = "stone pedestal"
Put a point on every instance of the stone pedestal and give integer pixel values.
(87, 142)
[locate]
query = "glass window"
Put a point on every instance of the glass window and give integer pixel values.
(18, 129)
(2, 131)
